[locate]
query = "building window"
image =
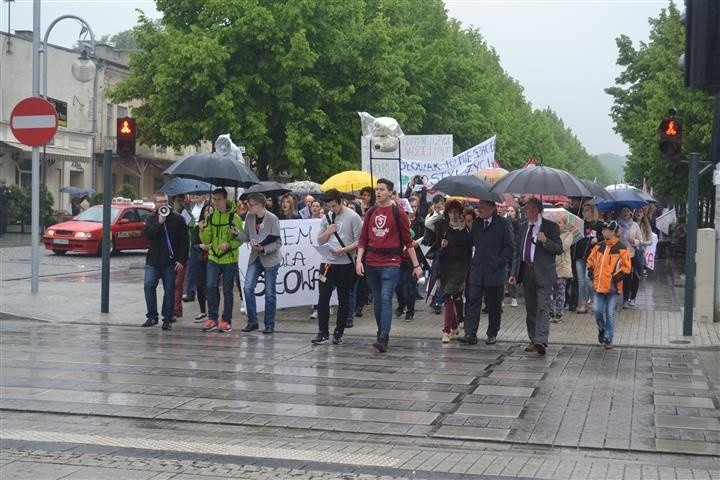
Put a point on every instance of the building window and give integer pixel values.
(122, 112)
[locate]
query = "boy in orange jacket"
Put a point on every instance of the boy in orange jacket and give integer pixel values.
(608, 264)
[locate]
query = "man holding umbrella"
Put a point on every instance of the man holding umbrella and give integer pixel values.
(534, 268)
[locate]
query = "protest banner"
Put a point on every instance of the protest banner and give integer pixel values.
(650, 253)
(297, 280)
(424, 148)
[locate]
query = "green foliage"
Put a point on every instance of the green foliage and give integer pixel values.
(126, 191)
(124, 40)
(286, 78)
(651, 84)
(20, 210)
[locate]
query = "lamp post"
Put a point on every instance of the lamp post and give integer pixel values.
(35, 184)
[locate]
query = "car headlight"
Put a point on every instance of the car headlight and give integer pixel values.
(50, 233)
(82, 235)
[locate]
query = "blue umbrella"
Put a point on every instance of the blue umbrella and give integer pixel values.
(623, 196)
(77, 192)
(186, 186)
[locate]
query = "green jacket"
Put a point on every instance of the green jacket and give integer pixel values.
(217, 231)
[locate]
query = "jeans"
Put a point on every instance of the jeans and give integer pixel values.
(382, 281)
(191, 279)
(559, 297)
(252, 275)
(605, 304)
(584, 283)
(228, 270)
(152, 276)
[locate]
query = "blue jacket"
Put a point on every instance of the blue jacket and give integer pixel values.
(494, 250)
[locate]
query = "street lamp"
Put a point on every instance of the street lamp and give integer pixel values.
(83, 70)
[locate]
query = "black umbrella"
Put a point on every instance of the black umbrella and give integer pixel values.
(467, 186)
(77, 192)
(214, 168)
(186, 186)
(267, 188)
(595, 189)
(542, 180)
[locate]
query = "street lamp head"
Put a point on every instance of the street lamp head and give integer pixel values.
(83, 69)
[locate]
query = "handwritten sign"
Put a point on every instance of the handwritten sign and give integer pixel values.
(297, 280)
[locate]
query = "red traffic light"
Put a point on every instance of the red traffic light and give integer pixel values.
(671, 138)
(126, 132)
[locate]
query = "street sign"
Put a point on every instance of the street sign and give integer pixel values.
(34, 121)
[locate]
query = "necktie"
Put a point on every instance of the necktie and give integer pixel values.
(527, 251)
(487, 224)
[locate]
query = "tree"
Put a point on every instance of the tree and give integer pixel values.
(286, 78)
(124, 40)
(651, 84)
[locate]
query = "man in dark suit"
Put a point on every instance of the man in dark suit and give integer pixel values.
(492, 237)
(537, 245)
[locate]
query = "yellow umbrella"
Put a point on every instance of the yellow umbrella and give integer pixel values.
(350, 181)
(491, 175)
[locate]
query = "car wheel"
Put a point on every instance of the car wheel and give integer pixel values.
(112, 249)
(59, 252)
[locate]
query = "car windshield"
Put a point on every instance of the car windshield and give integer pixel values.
(95, 214)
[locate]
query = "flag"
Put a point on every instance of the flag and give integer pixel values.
(496, 163)
(532, 162)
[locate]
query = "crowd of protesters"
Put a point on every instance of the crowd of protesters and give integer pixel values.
(465, 256)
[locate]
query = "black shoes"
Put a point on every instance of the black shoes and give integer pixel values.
(166, 325)
(337, 340)
(150, 323)
(358, 312)
(268, 330)
(601, 336)
(320, 339)
(188, 298)
(409, 316)
(491, 341)
(381, 343)
(349, 323)
(437, 308)
(540, 348)
(468, 340)
(249, 327)
(399, 311)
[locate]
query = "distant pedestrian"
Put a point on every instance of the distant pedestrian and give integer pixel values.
(167, 254)
(493, 242)
(592, 234)
(385, 233)
(179, 208)
(339, 230)
(262, 231)
(218, 233)
(201, 263)
(288, 208)
(631, 237)
(563, 271)
(608, 265)
(5, 197)
(534, 268)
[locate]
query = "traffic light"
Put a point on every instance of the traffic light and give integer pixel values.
(126, 132)
(702, 45)
(671, 137)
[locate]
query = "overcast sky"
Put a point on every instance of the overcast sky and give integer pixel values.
(561, 51)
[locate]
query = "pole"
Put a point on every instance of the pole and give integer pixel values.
(691, 238)
(93, 140)
(107, 236)
(715, 159)
(35, 183)
(401, 187)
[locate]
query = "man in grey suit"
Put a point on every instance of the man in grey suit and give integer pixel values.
(537, 245)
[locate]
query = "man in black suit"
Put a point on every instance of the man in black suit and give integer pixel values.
(492, 237)
(537, 245)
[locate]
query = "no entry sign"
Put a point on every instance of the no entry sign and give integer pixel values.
(34, 121)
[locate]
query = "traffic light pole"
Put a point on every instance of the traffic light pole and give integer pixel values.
(691, 238)
(106, 233)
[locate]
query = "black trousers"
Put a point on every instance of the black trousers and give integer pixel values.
(341, 277)
(493, 300)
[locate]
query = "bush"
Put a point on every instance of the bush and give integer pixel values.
(126, 191)
(21, 206)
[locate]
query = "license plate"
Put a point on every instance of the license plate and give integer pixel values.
(61, 241)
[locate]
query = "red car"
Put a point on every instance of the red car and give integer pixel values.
(84, 232)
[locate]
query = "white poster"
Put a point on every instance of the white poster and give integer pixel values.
(650, 253)
(429, 149)
(297, 280)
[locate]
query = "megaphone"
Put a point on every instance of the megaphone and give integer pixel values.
(164, 210)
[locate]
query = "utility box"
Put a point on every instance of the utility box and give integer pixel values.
(705, 275)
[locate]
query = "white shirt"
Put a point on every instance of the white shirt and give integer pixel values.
(534, 232)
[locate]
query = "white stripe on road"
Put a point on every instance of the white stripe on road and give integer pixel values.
(247, 450)
(34, 121)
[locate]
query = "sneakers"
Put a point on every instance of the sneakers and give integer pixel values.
(314, 315)
(437, 308)
(200, 317)
(557, 318)
(513, 302)
(150, 322)
(167, 325)
(337, 340)
(445, 337)
(225, 327)
(188, 298)
(399, 311)
(631, 302)
(491, 340)
(209, 325)
(320, 339)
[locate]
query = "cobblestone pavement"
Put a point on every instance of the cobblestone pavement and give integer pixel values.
(71, 392)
